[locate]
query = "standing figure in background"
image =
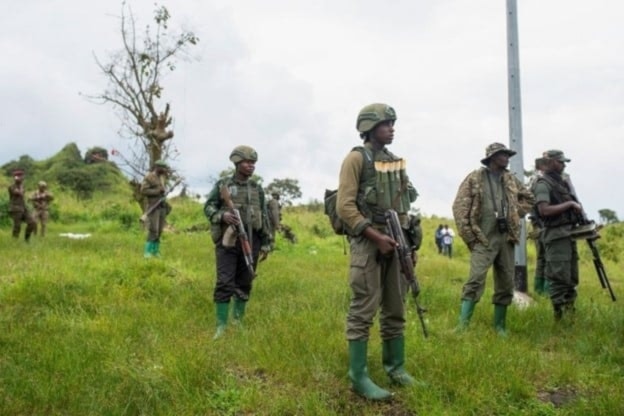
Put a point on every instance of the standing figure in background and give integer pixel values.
(18, 211)
(438, 238)
(154, 191)
(275, 213)
(237, 201)
(41, 199)
(540, 284)
(447, 241)
(488, 207)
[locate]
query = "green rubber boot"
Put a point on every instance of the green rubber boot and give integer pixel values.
(539, 286)
(358, 373)
(393, 359)
(239, 310)
(147, 251)
(156, 248)
(223, 309)
(465, 313)
(500, 316)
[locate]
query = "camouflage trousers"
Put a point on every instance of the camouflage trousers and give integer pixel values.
(41, 218)
(18, 218)
(562, 270)
(156, 223)
(375, 283)
(499, 254)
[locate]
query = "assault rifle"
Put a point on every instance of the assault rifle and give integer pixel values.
(588, 231)
(404, 252)
(162, 199)
(243, 237)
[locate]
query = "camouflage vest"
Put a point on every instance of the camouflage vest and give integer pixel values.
(246, 198)
(383, 185)
(559, 193)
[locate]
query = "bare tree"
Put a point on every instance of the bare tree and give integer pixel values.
(135, 75)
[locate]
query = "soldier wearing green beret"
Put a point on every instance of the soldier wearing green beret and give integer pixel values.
(373, 180)
(153, 189)
(234, 279)
(18, 211)
(559, 211)
(487, 209)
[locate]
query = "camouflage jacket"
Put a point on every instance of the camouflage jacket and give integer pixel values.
(152, 188)
(467, 206)
(16, 199)
(41, 200)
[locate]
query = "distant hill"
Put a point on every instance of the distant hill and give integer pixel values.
(69, 171)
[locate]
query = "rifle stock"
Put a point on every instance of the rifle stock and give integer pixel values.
(404, 253)
(240, 230)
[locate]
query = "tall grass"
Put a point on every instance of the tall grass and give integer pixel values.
(89, 327)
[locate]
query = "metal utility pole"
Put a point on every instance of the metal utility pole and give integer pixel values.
(515, 133)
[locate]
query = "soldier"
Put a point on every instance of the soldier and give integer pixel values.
(41, 199)
(275, 213)
(559, 210)
(234, 279)
(153, 190)
(540, 286)
(373, 180)
(488, 207)
(18, 210)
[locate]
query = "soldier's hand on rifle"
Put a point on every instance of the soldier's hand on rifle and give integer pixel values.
(576, 207)
(229, 218)
(384, 243)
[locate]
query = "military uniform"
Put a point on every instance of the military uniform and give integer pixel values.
(153, 189)
(41, 199)
(487, 211)
(561, 254)
(233, 277)
(275, 214)
(373, 180)
(18, 211)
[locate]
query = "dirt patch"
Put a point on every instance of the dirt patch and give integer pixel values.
(559, 397)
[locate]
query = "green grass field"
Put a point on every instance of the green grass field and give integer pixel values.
(90, 327)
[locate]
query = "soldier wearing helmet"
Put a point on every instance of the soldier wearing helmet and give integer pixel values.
(18, 211)
(156, 206)
(373, 180)
(487, 209)
(41, 199)
(234, 279)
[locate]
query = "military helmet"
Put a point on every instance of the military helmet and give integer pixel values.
(243, 152)
(373, 114)
(42, 184)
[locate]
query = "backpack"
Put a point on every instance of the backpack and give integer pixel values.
(331, 195)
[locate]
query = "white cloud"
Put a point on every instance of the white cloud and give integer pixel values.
(289, 77)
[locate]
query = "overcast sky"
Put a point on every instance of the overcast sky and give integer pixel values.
(288, 77)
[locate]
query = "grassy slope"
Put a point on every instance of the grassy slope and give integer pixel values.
(90, 327)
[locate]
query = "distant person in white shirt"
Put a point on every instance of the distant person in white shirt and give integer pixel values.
(447, 240)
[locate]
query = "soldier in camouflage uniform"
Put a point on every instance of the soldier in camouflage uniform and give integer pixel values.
(488, 207)
(18, 211)
(559, 210)
(541, 285)
(234, 280)
(275, 213)
(41, 199)
(153, 189)
(373, 180)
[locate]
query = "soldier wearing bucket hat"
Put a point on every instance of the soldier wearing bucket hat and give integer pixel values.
(559, 211)
(18, 211)
(41, 199)
(487, 209)
(376, 283)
